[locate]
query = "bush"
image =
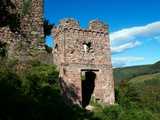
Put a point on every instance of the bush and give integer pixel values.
(112, 112)
(35, 94)
(136, 114)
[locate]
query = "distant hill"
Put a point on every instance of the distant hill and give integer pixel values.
(143, 78)
(127, 73)
(139, 85)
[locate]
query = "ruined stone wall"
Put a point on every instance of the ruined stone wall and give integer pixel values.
(97, 54)
(104, 85)
(28, 41)
(71, 57)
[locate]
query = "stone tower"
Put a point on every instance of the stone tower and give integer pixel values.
(84, 59)
(21, 27)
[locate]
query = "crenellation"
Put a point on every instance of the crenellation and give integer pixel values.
(80, 31)
(98, 26)
(69, 22)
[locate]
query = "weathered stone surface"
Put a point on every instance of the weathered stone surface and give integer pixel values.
(70, 22)
(97, 26)
(28, 41)
(80, 50)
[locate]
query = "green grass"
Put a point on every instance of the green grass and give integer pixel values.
(144, 78)
(127, 73)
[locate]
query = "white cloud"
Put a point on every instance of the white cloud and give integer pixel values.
(131, 33)
(127, 38)
(124, 61)
(125, 46)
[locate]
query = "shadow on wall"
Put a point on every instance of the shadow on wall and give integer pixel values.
(9, 16)
(70, 91)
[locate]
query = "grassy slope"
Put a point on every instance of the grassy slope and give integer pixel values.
(127, 73)
(143, 78)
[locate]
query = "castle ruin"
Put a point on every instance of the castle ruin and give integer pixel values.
(83, 57)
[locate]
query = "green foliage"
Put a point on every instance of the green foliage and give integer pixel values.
(26, 6)
(35, 95)
(48, 49)
(14, 23)
(82, 77)
(135, 102)
(117, 112)
(145, 78)
(47, 28)
(137, 94)
(147, 86)
(137, 114)
(3, 49)
(112, 112)
(9, 82)
(7, 18)
(38, 77)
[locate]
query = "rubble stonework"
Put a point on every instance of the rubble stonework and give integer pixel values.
(78, 51)
(28, 41)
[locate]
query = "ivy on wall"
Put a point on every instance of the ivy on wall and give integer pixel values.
(47, 28)
(47, 31)
(14, 23)
(26, 7)
(7, 18)
(48, 49)
(3, 49)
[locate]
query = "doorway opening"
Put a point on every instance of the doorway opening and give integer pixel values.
(87, 84)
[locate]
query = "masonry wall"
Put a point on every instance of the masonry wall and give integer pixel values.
(28, 41)
(71, 58)
(97, 53)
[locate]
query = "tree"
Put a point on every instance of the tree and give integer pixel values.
(3, 49)
(47, 28)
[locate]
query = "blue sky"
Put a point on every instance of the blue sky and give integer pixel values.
(134, 25)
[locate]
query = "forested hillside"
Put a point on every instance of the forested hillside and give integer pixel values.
(31, 92)
(127, 73)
